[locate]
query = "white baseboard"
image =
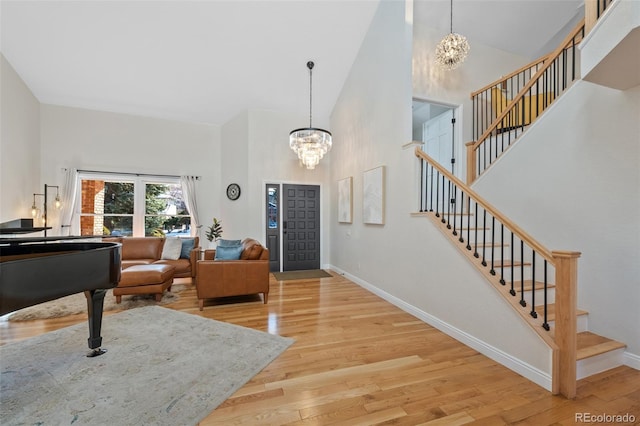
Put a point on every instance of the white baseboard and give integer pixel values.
(631, 360)
(536, 375)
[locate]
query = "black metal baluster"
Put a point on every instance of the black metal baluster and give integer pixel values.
(545, 324)
(437, 193)
(493, 246)
(478, 170)
(533, 312)
(473, 117)
(522, 301)
(475, 243)
(461, 215)
(573, 59)
(484, 236)
(512, 291)
(469, 223)
(431, 194)
(564, 69)
(444, 196)
(502, 281)
(449, 199)
(422, 186)
(490, 154)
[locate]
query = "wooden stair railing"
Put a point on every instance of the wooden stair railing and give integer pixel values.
(485, 102)
(508, 258)
(558, 71)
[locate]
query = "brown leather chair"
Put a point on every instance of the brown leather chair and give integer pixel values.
(222, 278)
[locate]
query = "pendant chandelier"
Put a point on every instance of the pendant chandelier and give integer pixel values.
(453, 49)
(311, 144)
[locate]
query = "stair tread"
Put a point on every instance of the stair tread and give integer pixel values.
(591, 344)
(551, 311)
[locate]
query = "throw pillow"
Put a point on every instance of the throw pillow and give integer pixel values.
(252, 250)
(228, 243)
(187, 246)
(228, 253)
(171, 249)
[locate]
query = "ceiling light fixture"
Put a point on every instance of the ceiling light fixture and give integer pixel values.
(310, 143)
(453, 49)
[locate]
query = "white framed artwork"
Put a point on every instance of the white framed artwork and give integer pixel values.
(373, 196)
(345, 201)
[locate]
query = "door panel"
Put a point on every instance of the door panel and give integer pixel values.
(273, 226)
(301, 227)
(438, 138)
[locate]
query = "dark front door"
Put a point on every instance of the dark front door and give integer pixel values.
(301, 227)
(273, 226)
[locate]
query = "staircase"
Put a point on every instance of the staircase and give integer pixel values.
(540, 284)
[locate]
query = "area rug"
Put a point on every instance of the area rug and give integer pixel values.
(77, 304)
(163, 367)
(301, 275)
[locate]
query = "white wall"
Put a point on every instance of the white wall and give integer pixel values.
(104, 141)
(19, 145)
(573, 182)
(234, 168)
(408, 260)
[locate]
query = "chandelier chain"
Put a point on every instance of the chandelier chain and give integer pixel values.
(451, 19)
(310, 93)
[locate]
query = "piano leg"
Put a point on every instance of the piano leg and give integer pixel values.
(95, 304)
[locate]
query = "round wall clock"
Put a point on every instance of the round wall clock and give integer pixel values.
(233, 191)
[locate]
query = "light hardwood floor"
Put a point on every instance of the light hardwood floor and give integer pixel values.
(359, 360)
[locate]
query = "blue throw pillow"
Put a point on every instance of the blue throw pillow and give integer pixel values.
(187, 246)
(228, 243)
(228, 253)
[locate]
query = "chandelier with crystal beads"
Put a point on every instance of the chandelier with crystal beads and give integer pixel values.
(310, 143)
(453, 49)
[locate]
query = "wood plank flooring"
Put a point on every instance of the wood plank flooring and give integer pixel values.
(359, 360)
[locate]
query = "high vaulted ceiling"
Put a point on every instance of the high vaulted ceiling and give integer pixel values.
(206, 61)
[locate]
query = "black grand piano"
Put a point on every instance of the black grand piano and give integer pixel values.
(36, 270)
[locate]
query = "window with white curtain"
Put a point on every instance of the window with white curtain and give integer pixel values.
(130, 205)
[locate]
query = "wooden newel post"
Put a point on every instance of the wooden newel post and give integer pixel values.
(471, 162)
(566, 265)
(590, 15)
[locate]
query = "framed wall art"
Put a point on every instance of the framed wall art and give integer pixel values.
(373, 196)
(345, 200)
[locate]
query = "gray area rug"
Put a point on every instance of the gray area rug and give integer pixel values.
(163, 367)
(77, 304)
(301, 275)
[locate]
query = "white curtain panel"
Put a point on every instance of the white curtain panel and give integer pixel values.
(68, 199)
(189, 194)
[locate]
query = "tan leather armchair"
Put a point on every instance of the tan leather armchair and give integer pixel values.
(222, 278)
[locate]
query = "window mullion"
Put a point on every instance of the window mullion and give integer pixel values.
(139, 207)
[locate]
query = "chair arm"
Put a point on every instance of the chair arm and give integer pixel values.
(194, 256)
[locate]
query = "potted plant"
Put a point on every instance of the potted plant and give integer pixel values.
(214, 233)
